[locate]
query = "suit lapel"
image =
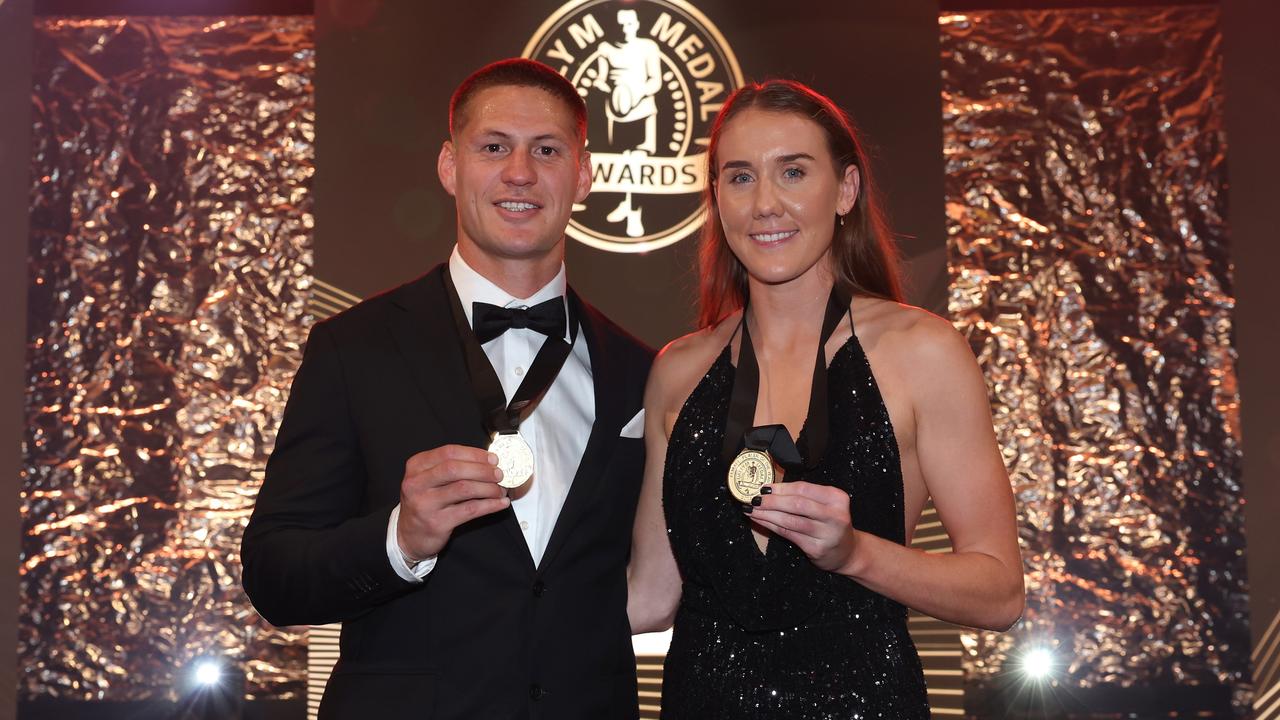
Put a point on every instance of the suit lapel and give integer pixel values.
(428, 342)
(608, 377)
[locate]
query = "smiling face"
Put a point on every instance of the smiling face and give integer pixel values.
(778, 194)
(515, 167)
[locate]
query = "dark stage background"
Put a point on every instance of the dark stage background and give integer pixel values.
(15, 152)
(385, 75)
(1252, 58)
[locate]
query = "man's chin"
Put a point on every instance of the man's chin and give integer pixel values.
(520, 249)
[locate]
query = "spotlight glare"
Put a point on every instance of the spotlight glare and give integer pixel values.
(208, 673)
(1037, 664)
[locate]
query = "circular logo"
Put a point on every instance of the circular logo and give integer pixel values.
(653, 73)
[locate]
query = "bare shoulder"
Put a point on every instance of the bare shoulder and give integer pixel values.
(911, 338)
(682, 363)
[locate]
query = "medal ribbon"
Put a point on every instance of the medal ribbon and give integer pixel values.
(775, 439)
(499, 415)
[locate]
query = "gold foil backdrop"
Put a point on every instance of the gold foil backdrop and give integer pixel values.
(170, 264)
(1089, 267)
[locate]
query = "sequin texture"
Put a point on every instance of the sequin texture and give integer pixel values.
(768, 635)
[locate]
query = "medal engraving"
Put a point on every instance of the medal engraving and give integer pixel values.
(749, 472)
(515, 459)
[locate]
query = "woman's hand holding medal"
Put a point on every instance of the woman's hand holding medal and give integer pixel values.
(442, 489)
(815, 518)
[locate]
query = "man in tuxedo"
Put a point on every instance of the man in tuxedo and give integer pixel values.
(382, 509)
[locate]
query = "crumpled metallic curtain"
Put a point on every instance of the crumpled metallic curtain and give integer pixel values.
(1089, 264)
(170, 265)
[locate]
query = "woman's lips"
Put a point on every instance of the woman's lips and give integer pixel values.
(772, 238)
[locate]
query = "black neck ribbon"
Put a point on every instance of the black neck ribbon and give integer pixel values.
(775, 439)
(499, 415)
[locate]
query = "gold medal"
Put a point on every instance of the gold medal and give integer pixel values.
(515, 459)
(750, 471)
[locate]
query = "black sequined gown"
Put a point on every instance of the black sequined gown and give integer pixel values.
(768, 635)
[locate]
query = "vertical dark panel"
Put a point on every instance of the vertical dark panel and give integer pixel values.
(1253, 115)
(15, 149)
(384, 76)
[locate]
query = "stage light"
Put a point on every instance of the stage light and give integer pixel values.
(212, 688)
(1037, 663)
(207, 673)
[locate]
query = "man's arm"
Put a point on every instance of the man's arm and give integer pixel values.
(309, 558)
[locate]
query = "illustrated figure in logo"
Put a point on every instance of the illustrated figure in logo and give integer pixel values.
(630, 73)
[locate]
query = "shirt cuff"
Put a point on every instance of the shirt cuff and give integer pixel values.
(410, 573)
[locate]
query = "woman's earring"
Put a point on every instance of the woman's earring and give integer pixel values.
(841, 220)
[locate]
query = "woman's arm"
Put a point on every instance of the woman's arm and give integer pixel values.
(653, 581)
(980, 582)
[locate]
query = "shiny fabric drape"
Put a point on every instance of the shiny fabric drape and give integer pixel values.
(170, 262)
(1088, 252)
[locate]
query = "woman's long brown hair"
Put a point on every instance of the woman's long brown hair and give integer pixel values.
(864, 260)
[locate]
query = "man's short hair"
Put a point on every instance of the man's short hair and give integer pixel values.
(518, 72)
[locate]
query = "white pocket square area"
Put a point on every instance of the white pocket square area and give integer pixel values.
(635, 427)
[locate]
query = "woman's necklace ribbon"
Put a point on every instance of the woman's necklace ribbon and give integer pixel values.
(751, 452)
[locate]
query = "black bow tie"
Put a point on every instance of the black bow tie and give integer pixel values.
(490, 321)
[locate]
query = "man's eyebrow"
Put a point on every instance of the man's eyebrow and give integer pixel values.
(507, 135)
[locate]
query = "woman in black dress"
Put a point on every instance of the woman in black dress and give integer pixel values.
(789, 599)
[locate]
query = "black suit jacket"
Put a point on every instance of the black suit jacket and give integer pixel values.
(487, 634)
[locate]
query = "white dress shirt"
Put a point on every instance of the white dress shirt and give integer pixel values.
(556, 430)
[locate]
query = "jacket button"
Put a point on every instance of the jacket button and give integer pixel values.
(535, 692)
(539, 588)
